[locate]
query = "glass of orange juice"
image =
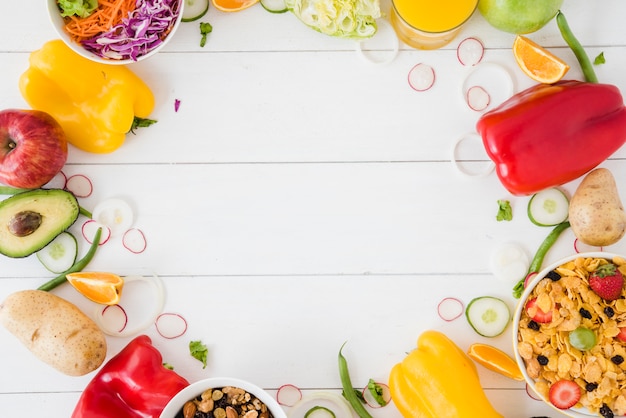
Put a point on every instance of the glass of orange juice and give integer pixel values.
(429, 24)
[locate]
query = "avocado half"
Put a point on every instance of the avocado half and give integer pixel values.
(31, 220)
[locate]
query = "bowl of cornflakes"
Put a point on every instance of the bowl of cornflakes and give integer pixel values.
(569, 335)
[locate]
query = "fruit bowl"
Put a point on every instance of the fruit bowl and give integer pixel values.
(566, 335)
(203, 390)
(152, 25)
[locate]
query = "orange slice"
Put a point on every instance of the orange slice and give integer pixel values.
(495, 360)
(104, 288)
(537, 62)
(233, 5)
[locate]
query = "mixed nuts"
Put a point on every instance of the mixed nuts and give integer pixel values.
(226, 402)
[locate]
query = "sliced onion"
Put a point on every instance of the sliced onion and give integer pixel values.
(421, 77)
(79, 185)
(477, 98)
(470, 51)
(369, 398)
(114, 213)
(114, 316)
(57, 182)
(336, 403)
(288, 395)
(170, 325)
(457, 160)
(581, 247)
(142, 306)
(450, 309)
(509, 262)
(89, 231)
(134, 241)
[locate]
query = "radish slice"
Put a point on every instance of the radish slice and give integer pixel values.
(134, 241)
(79, 185)
(89, 231)
(421, 77)
(456, 160)
(143, 297)
(331, 401)
(369, 398)
(57, 182)
(450, 309)
(288, 395)
(470, 51)
(114, 316)
(509, 262)
(114, 213)
(581, 247)
(529, 278)
(170, 325)
(477, 98)
(494, 79)
(531, 392)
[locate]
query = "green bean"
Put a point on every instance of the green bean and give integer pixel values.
(77, 266)
(577, 48)
(537, 260)
(8, 190)
(348, 389)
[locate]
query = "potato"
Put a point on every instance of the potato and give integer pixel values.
(596, 213)
(55, 331)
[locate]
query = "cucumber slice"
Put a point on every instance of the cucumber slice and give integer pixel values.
(548, 207)
(488, 316)
(274, 6)
(194, 9)
(60, 254)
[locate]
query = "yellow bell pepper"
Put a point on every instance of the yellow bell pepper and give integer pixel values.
(438, 380)
(94, 103)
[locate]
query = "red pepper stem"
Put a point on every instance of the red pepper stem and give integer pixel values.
(577, 48)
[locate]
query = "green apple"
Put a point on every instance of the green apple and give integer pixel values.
(519, 16)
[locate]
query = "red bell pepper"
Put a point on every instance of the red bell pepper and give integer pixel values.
(550, 134)
(133, 384)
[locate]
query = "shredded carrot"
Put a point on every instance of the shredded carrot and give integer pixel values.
(108, 14)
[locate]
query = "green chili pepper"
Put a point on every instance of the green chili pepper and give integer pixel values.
(348, 389)
(577, 48)
(537, 260)
(78, 266)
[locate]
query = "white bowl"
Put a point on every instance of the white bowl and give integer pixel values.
(195, 389)
(59, 23)
(572, 412)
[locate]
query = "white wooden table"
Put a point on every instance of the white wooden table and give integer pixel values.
(301, 197)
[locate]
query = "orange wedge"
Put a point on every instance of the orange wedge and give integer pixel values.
(537, 62)
(495, 360)
(233, 5)
(104, 288)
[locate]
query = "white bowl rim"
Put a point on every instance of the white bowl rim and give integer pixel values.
(572, 412)
(57, 23)
(194, 389)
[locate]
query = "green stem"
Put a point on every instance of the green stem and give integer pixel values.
(537, 260)
(577, 48)
(85, 212)
(78, 266)
(348, 389)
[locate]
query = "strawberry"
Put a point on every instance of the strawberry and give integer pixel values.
(537, 314)
(622, 334)
(564, 394)
(607, 281)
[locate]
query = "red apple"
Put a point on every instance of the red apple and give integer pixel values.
(33, 148)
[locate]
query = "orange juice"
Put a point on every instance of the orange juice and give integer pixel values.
(430, 24)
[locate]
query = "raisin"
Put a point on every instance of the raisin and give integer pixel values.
(584, 313)
(533, 325)
(543, 360)
(605, 411)
(590, 387)
(554, 276)
(609, 311)
(617, 359)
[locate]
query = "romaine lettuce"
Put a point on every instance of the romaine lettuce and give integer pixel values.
(80, 8)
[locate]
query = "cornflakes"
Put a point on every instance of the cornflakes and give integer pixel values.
(545, 347)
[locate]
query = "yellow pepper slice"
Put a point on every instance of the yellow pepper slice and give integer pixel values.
(94, 103)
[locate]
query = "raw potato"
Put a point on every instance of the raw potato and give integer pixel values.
(55, 331)
(596, 213)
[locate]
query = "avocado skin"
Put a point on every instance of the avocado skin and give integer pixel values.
(59, 209)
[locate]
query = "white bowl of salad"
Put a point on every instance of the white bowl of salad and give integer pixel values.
(116, 31)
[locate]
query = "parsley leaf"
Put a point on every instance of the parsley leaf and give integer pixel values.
(377, 392)
(599, 59)
(205, 29)
(505, 213)
(199, 351)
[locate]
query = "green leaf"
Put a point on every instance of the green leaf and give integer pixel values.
(505, 213)
(199, 351)
(599, 59)
(377, 392)
(205, 29)
(141, 123)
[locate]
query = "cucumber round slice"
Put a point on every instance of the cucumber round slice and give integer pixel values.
(194, 9)
(274, 6)
(60, 254)
(488, 316)
(548, 207)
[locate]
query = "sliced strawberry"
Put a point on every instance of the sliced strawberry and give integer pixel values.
(537, 314)
(564, 394)
(622, 334)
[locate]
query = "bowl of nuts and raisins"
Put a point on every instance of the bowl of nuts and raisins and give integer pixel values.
(223, 397)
